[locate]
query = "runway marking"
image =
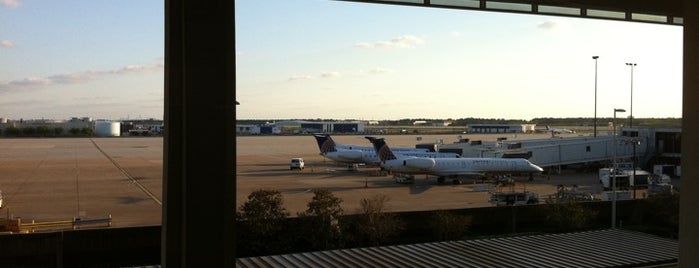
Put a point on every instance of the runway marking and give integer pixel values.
(133, 180)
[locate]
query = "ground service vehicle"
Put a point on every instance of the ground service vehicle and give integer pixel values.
(513, 198)
(625, 179)
(297, 163)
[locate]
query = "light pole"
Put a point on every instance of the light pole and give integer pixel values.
(631, 110)
(614, 169)
(634, 143)
(595, 120)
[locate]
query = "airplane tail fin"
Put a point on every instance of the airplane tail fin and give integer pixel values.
(382, 149)
(325, 143)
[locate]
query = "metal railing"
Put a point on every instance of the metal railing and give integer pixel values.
(75, 223)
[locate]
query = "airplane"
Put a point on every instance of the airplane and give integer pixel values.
(354, 154)
(324, 140)
(559, 130)
(453, 168)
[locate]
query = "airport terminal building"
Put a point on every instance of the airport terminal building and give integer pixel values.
(302, 126)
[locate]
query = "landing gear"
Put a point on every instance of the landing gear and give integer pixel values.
(455, 180)
(352, 167)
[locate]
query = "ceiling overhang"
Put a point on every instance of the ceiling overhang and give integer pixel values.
(648, 11)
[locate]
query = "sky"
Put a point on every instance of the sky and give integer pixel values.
(306, 59)
(338, 60)
(99, 58)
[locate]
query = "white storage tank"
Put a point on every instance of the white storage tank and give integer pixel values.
(107, 129)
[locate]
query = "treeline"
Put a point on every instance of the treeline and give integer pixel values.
(454, 122)
(588, 121)
(571, 121)
(45, 131)
(264, 226)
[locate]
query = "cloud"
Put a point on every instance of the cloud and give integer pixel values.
(139, 68)
(10, 3)
(29, 81)
(79, 77)
(300, 77)
(376, 71)
(333, 74)
(405, 41)
(380, 71)
(329, 75)
(6, 43)
(311, 77)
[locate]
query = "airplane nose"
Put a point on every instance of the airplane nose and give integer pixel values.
(537, 168)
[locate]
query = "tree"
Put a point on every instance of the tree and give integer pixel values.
(86, 131)
(12, 131)
(569, 216)
(659, 214)
(29, 131)
(322, 221)
(262, 219)
(43, 131)
(74, 131)
(58, 131)
(373, 224)
(449, 226)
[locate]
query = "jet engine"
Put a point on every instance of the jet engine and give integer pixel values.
(419, 163)
(349, 155)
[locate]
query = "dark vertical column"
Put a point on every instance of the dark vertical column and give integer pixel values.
(198, 171)
(689, 199)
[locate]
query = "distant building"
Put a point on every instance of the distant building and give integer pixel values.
(321, 126)
(142, 127)
(501, 128)
(106, 128)
(446, 123)
(257, 129)
(88, 126)
(64, 126)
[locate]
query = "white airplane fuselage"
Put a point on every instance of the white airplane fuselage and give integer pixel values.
(459, 166)
(370, 158)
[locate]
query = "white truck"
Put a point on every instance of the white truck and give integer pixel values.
(625, 178)
(297, 163)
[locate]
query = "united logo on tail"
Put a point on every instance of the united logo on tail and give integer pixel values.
(382, 149)
(325, 143)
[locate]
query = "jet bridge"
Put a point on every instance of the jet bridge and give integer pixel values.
(563, 151)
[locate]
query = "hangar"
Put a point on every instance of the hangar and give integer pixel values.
(321, 126)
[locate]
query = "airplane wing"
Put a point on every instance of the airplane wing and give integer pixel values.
(458, 173)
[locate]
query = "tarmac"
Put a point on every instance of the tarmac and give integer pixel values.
(263, 163)
(56, 179)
